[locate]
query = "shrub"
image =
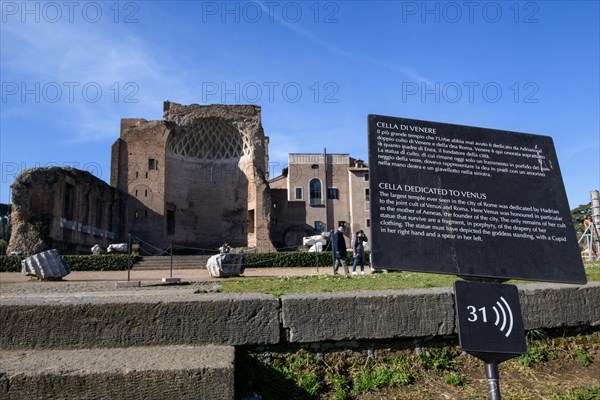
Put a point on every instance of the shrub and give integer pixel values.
(100, 262)
(10, 263)
(293, 259)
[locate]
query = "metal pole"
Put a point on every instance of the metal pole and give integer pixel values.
(128, 257)
(595, 195)
(317, 256)
(171, 248)
(331, 243)
(493, 378)
(589, 245)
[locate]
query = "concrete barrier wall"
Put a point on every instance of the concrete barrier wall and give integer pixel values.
(323, 317)
(166, 343)
(109, 319)
(169, 372)
(555, 306)
(320, 317)
(174, 318)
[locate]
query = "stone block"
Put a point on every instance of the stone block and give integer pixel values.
(317, 317)
(225, 264)
(137, 318)
(45, 265)
(174, 372)
(551, 305)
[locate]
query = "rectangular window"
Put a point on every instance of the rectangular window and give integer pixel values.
(316, 196)
(368, 223)
(333, 193)
(250, 221)
(319, 226)
(99, 213)
(170, 222)
(298, 193)
(152, 164)
(366, 176)
(367, 195)
(69, 202)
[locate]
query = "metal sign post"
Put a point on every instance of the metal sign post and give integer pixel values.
(490, 325)
(129, 257)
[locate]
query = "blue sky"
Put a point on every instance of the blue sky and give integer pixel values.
(71, 70)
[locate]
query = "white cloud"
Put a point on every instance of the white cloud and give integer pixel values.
(124, 67)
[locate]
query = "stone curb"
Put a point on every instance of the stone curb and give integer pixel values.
(108, 319)
(322, 317)
(177, 372)
(105, 319)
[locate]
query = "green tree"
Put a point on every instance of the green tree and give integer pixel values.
(4, 226)
(578, 215)
(4, 210)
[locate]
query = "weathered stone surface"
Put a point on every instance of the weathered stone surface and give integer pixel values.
(97, 249)
(316, 317)
(201, 173)
(112, 319)
(546, 305)
(45, 265)
(175, 317)
(174, 372)
(225, 264)
(117, 248)
(62, 208)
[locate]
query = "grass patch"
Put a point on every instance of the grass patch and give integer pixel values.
(400, 372)
(338, 283)
(591, 393)
(583, 357)
(396, 280)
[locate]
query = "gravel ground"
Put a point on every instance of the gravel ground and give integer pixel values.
(12, 283)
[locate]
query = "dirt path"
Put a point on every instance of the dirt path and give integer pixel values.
(78, 281)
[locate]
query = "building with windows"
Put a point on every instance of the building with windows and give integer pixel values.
(317, 193)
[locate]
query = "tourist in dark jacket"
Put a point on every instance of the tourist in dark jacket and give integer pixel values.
(339, 250)
(358, 246)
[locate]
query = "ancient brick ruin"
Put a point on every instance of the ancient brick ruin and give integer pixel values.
(195, 179)
(62, 208)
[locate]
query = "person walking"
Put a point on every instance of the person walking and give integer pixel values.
(339, 251)
(358, 245)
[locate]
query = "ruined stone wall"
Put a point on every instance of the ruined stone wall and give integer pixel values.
(288, 221)
(138, 169)
(216, 175)
(197, 178)
(62, 208)
(360, 207)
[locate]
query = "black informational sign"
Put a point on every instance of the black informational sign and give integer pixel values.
(469, 201)
(489, 320)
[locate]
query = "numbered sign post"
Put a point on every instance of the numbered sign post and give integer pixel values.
(483, 204)
(469, 201)
(490, 325)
